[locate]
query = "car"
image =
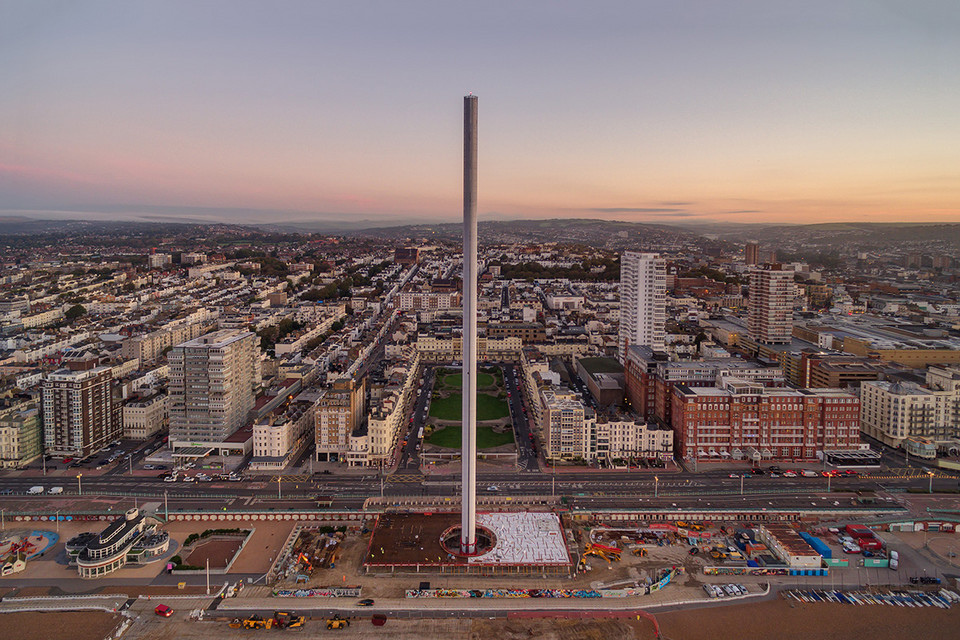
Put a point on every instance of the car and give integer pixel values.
(493, 487)
(694, 551)
(789, 474)
(67, 460)
(149, 466)
(234, 478)
(806, 473)
(734, 475)
(851, 473)
(757, 471)
(6, 491)
(161, 466)
(366, 602)
(163, 610)
(774, 474)
(189, 479)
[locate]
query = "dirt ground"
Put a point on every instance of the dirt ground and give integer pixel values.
(790, 620)
(218, 552)
(79, 625)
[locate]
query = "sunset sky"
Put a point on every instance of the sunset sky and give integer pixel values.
(674, 111)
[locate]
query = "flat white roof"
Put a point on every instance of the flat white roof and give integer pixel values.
(524, 538)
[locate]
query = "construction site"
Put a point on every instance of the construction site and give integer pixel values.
(525, 542)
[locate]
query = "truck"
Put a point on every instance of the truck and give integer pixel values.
(35, 490)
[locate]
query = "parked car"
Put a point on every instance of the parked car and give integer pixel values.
(806, 473)
(366, 602)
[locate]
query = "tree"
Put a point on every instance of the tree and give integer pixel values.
(75, 312)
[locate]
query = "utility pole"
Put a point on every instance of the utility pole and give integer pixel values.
(79, 486)
(741, 483)
(208, 576)
(166, 509)
(278, 488)
(656, 486)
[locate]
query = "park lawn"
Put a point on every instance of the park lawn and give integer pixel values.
(455, 380)
(450, 438)
(488, 408)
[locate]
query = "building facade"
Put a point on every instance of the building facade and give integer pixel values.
(21, 437)
(770, 319)
(643, 290)
(339, 414)
(80, 413)
(213, 382)
(744, 420)
(145, 416)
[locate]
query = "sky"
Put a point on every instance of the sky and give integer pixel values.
(674, 111)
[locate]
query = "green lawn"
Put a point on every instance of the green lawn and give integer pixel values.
(487, 438)
(488, 408)
(455, 380)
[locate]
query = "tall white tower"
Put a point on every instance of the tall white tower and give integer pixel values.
(468, 481)
(643, 292)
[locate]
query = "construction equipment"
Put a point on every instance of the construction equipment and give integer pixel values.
(336, 622)
(287, 620)
(306, 562)
(640, 552)
(718, 555)
(253, 622)
(610, 554)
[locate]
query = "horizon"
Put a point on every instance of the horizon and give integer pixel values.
(309, 113)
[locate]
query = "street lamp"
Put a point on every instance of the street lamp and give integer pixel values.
(79, 486)
(930, 488)
(278, 488)
(656, 487)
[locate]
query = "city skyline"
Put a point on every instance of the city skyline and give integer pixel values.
(247, 112)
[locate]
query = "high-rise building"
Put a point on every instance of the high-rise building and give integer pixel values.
(751, 253)
(80, 415)
(771, 304)
(340, 412)
(213, 380)
(643, 290)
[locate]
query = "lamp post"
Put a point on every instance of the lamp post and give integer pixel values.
(930, 488)
(742, 475)
(79, 486)
(166, 509)
(278, 488)
(58, 520)
(656, 487)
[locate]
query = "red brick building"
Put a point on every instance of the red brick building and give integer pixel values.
(745, 421)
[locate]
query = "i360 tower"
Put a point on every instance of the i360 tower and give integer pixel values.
(468, 502)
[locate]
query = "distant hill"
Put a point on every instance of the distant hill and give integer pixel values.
(599, 233)
(863, 235)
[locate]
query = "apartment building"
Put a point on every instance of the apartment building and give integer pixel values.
(145, 416)
(21, 437)
(339, 413)
(770, 319)
(213, 382)
(643, 287)
(80, 413)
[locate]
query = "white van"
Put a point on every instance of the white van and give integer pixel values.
(806, 473)
(56, 490)
(894, 560)
(35, 490)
